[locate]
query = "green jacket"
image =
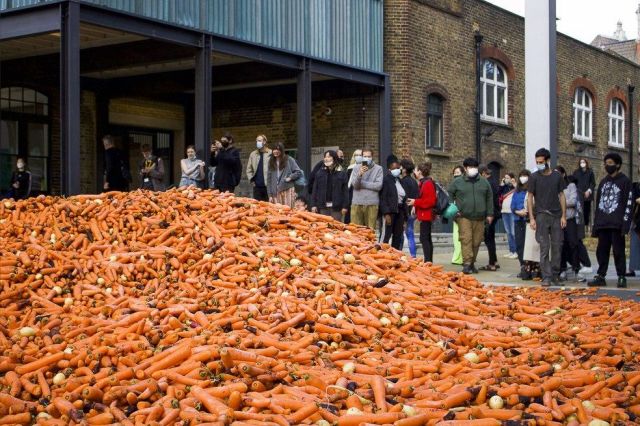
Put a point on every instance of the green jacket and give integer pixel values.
(473, 197)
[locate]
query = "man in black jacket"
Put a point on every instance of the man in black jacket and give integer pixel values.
(115, 167)
(226, 159)
(612, 220)
(393, 208)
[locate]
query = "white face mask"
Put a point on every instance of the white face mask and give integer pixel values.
(358, 159)
(472, 172)
(583, 165)
(395, 172)
(524, 179)
(20, 165)
(541, 167)
(259, 145)
(191, 156)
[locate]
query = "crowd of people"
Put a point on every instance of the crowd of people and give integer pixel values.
(546, 214)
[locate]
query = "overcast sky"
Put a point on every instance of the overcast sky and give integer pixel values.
(585, 19)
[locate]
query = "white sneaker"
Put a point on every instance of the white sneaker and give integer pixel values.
(507, 255)
(514, 255)
(585, 270)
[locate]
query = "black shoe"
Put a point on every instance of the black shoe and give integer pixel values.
(630, 274)
(622, 282)
(546, 283)
(474, 270)
(466, 269)
(555, 281)
(597, 281)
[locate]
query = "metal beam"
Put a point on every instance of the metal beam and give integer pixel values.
(254, 52)
(384, 120)
(30, 21)
(478, 110)
(347, 73)
(303, 110)
(70, 98)
(202, 123)
(138, 25)
(631, 121)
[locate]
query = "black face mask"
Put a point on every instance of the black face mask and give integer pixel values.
(611, 169)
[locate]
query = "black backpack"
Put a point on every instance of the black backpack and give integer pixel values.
(442, 199)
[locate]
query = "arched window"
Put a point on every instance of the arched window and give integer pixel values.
(24, 132)
(435, 122)
(616, 123)
(494, 92)
(582, 115)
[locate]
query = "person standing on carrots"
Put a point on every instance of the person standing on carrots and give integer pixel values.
(547, 215)
(612, 220)
(474, 197)
(366, 179)
(257, 168)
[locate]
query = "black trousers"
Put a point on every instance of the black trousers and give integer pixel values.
(395, 231)
(260, 193)
(520, 227)
(570, 252)
(490, 241)
(583, 254)
(426, 241)
(608, 238)
(586, 204)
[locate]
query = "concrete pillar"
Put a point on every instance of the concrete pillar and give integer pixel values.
(540, 80)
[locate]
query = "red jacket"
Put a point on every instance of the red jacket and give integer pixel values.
(426, 201)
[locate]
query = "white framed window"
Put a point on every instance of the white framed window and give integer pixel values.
(494, 92)
(616, 123)
(434, 138)
(582, 115)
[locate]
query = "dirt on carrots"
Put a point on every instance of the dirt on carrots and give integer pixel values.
(193, 307)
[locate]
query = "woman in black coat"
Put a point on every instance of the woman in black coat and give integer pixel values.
(329, 194)
(393, 207)
(586, 185)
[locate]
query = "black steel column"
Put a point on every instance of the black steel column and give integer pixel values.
(70, 98)
(632, 121)
(304, 117)
(384, 120)
(102, 128)
(478, 40)
(202, 104)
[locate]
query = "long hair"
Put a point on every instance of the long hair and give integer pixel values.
(279, 146)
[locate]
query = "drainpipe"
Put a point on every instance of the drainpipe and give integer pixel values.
(478, 42)
(632, 120)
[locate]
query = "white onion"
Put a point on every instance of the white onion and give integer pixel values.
(43, 415)
(260, 254)
(207, 256)
(293, 234)
(323, 422)
(328, 236)
(27, 332)
(341, 316)
(472, 357)
(68, 301)
(409, 410)
(319, 293)
(108, 290)
(295, 262)
(38, 276)
(100, 281)
(524, 331)
(372, 278)
(275, 259)
(404, 320)
(598, 422)
(557, 367)
(496, 402)
(59, 379)
(588, 405)
(353, 411)
(349, 368)
(57, 289)
(349, 258)
(397, 306)
(386, 322)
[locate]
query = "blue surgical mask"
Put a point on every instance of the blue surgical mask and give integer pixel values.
(396, 172)
(358, 159)
(541, 167)
(259, 145)
(367, 161)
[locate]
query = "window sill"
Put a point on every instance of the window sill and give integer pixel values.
(617, 147)
(437, 153)
(585, 141)
(500, 124)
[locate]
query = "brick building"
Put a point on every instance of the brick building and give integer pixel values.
(430, 55)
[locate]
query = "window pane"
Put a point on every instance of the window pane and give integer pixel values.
(500, 74)
(4, 92)
(579, 131)
(434, 136)
(489, 70)
(38, 169)
(501, 103)
(9, 137)
(15, 93)
(490, 110)
(29, 95)
(7, 165)
(29, 108)
(41, 98)
(587, 99)
(4, 104)
(587, 125)
(621, 131)
(15, 106)
(434, 104)
(38, 139)
(614, 134)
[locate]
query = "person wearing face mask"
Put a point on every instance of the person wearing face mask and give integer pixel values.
(340, 154)
(393, 206)
(257, 168)
(586, 186)
(366, 179)
(474, 198)
(456, 259)
(424, 204)
(612, 220)
(490, 228)
(116, 169)
(192, 169)
(356, 158)
(518, 208)
(330, 195)
(547, 215)
(226, 159)
(574, 219)
(505, 193)
(20, 181)
(282, 175)
(412, 189)
(151, 170)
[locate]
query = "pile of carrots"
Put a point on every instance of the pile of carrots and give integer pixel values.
(192, 307)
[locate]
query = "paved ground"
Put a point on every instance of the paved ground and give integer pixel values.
(509, 268)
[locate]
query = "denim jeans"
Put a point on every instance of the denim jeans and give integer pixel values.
(508, 220)
(411, 237)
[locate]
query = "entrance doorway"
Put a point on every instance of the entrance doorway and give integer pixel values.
(131, 142)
